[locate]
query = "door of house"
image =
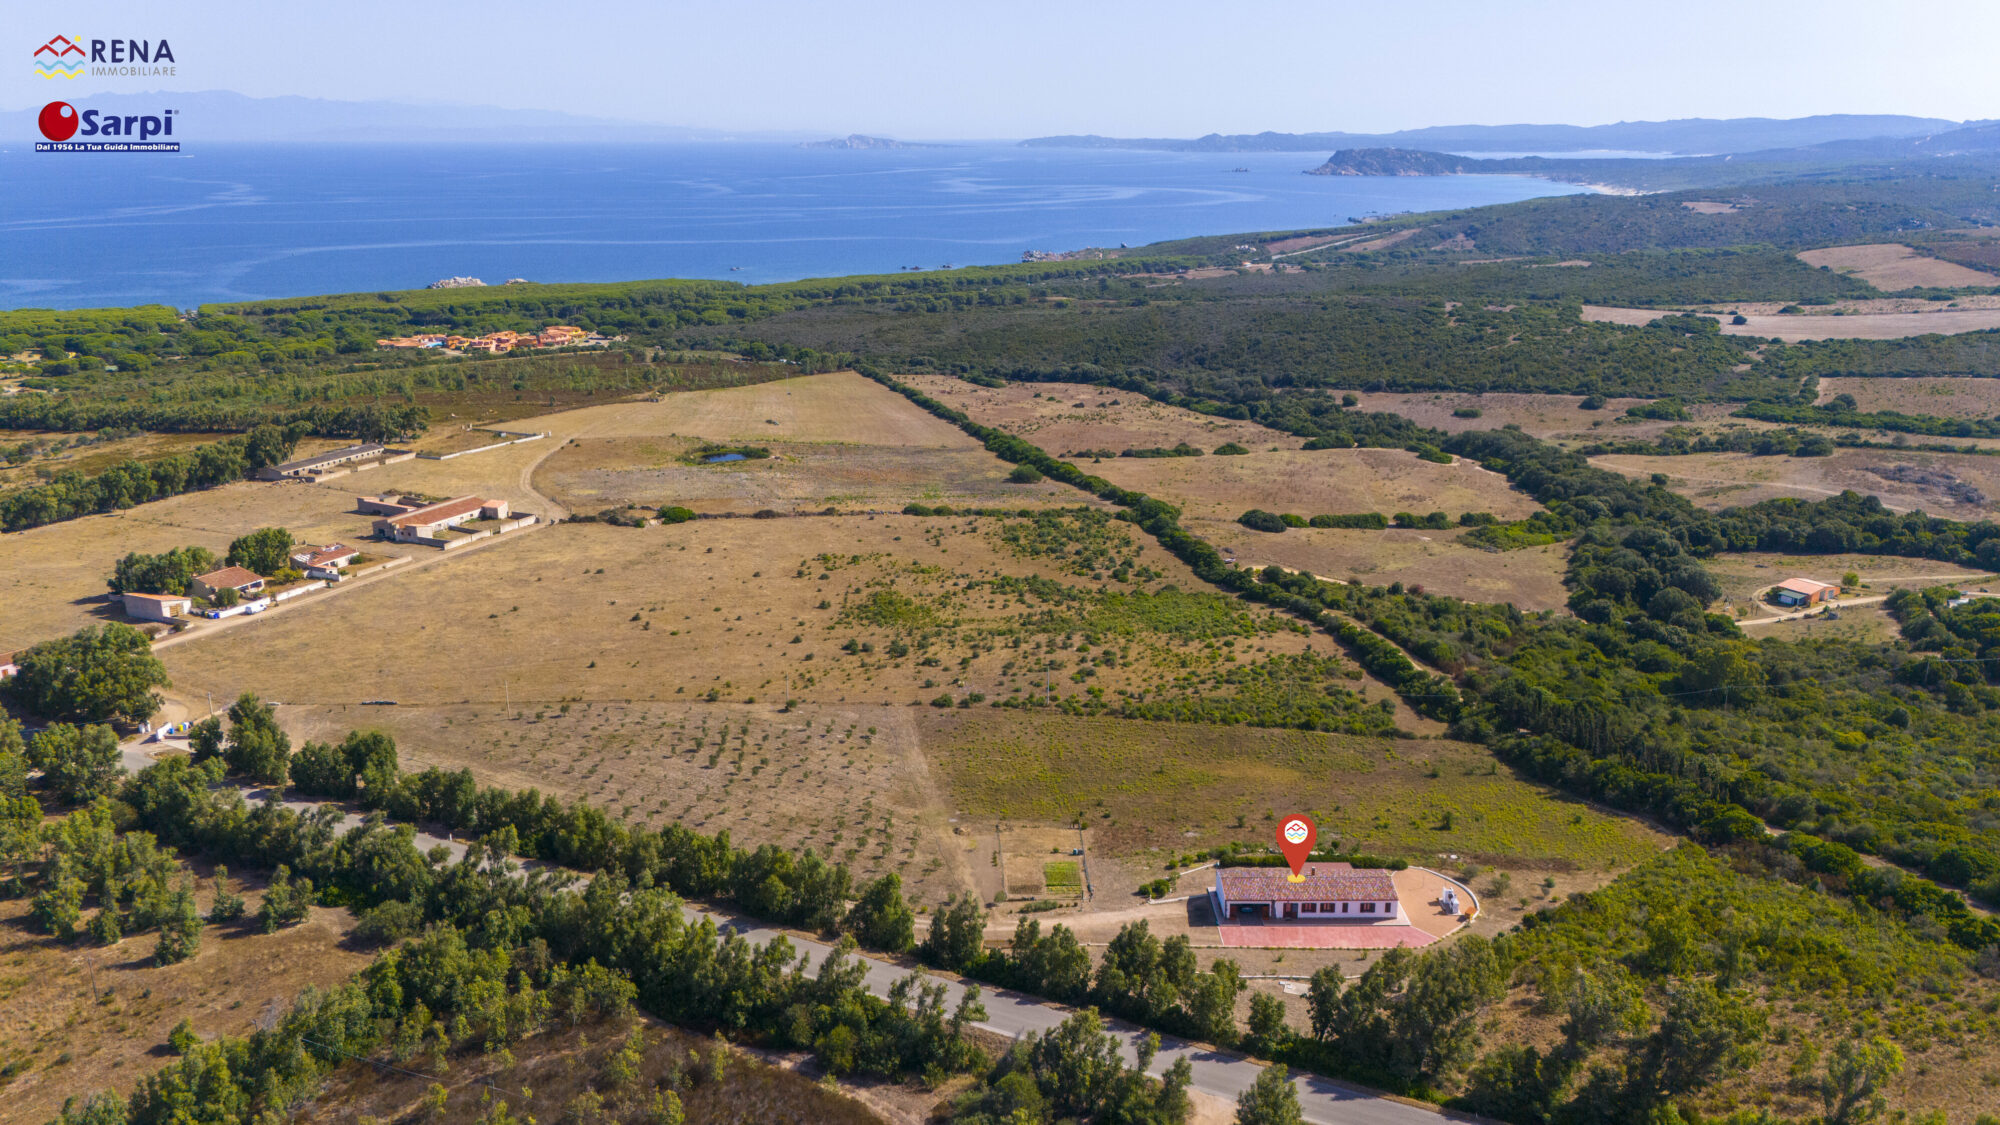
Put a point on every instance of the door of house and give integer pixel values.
(1291, 910)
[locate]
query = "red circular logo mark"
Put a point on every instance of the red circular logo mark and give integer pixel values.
(58, 121)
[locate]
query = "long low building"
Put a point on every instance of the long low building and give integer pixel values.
(338, 462)
(440, 524)
(1328, 892)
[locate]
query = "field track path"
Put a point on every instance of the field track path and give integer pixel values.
(1218, 1073)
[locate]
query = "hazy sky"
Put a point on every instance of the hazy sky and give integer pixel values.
(949, 68)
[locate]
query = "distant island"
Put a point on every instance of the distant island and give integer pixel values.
(862, 140)
(1393, 162)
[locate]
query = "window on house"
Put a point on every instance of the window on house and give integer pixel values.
(1367, 908)
(1326, 908)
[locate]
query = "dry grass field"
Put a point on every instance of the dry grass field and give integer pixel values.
(85, 1017)
(1793, 327)
(1892, 265)
(1060, 417)
(1723, 480)
(1939, 396)
(1186, 787)
(1434, 560)
(1544, 416)
(588, 474)
(1325, 481)
(850, 782)
(590, 612)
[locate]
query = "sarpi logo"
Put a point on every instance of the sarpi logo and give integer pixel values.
(65, 126)
(59, 58)
(64, 57)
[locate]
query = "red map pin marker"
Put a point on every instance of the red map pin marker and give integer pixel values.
(1296, 836)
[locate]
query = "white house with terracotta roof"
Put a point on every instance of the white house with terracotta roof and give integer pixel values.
(324, 562)
(244, 582)
(1338, 892)
(8, 668)
(157, 607)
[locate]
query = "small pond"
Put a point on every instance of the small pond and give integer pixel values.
(720, 457)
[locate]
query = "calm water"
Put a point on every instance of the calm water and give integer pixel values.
(233, 222)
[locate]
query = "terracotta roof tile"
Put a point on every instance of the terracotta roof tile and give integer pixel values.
(230, 576)
(1324, 882)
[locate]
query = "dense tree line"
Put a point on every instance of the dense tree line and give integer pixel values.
(77, 414)
(131, 483)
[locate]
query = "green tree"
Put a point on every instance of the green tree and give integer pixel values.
(78, 764)
(180, 929)
(1323, 1000)
(104, 926)
(13, 760)
(257, 746)
(225, 905)
(957, 935)
(266, 550)
(1270, 1100)
(205, 739)
(59, 906)
(1705, 1035)
(1855, 1075)
(1076, 1066)
(880, 919)
(371, 756)
(286, 903)
(165, 573)
(98, 674)
(1268, 1030)
(1431, 1025)
(98, 1109)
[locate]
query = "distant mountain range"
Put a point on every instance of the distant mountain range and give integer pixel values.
(223, 115)
(1690, 136)
(1975, 144)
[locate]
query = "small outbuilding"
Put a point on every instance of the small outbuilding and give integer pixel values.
(8, 668)
(157, 607)
(244, 582)
(1337, 892)
(1803, 591)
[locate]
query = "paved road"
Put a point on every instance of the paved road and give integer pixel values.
(1221, 1074)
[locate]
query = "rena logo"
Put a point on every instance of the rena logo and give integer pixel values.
(60, 121)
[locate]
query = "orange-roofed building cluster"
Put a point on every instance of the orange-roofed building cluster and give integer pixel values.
(495, 343)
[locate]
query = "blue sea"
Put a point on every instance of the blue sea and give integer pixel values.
(236, 222)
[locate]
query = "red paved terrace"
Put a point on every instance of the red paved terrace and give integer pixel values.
(1320, 935)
